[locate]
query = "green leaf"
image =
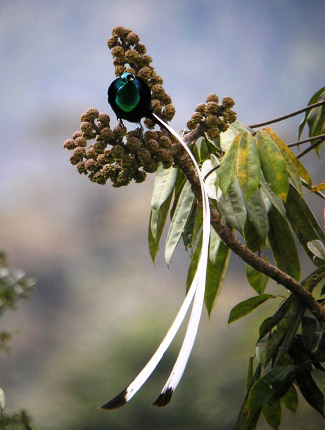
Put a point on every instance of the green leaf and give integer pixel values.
(271, 386)
(308, 325)
(317, 97)
(256, 279)
(257, 214)
(247, 306)
(290, 399)
(283, 246)
(272, 414)
(216, 271)
(232, 206)
(248, 167)
(177, 224)
(194, 262)
(187, 234)
(271, 198)
(156, 225)
(273, 165)
(303, 221)
(310, 390)
(317, 248)
(250, 374)
(228, 136)
(318, 376)
(228, 165)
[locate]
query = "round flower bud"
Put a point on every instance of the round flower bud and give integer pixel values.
(156, 80)
(132, 38)
(90, 165)
(156, 106)
(169, 112)
(108, 170)
(162, 154)
(213, 132)
(212, 108)
(150, 135)
(104, 120)
(165, 142)
(74, 160)
(223, 126)
(145, 73)
(131, 55)
(86, 127)
(150, 167)
(212, 121)
(158, 91)
(191, 124)
(144, 155)
(200, 108)
(228, 102)
(132, 143)
(99, 178)
(152, 146)
(119, 131)
(149, 123)
(139, 176)
(106, 134)
(77, 134)
(90, 115)
(196, 118)
(212, 98)
(118, 52)
(141, 48)
(119, 70)
(79, 153)
(145, 60)
(130, 70)
(167, 99)
(80, 141)
(168, 163)
(91, 153)
(81, 168)
(232, 116)
(69, 144)
(112, 41)
(120, 31)
(101, 159)
(173, 149)
(117, 152)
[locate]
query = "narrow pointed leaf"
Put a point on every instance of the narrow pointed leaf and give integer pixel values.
(318, 96)
(290, 399)
(232, 206)
(228, 165)
(248, 167)
(309, 390)
(283, 246)
(257, 214)
(156, 226)
(247, 306)
(293, 164)
(272, 198)
(256, 279)
(272, 385)
(303, 221)
(194, 262)
(319, 187)
(250, 373)
(273, 165)
(308, 325)
(272, 414)
(187, 234)
(318, 376)
(317, 248)
(163, 186)
(177, 224)
(216, 272)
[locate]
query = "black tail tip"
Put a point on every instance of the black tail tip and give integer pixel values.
(164, 398)
(117, 402)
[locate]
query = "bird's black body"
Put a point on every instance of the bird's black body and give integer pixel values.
(130, 98)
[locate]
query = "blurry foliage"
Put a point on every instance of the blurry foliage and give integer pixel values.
(14, 286)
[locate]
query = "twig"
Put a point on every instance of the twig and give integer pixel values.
(321, 136)
(310, 148)
(287, 116)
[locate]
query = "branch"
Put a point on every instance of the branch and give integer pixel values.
(306, 298)
(321, 136)
(281, 118)
(310, 148)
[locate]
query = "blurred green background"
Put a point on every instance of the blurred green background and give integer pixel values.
(100, 307)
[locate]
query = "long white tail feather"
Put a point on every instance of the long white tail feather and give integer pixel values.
(199, 282)
(196, 289)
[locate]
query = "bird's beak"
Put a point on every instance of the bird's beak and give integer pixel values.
(131, 79)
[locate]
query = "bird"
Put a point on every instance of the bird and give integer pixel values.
(130, 99)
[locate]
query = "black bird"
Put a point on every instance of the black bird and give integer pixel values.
(130, 99)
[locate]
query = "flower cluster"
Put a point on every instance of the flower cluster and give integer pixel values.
(216, 117)
(130, 56)
(116, 154)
